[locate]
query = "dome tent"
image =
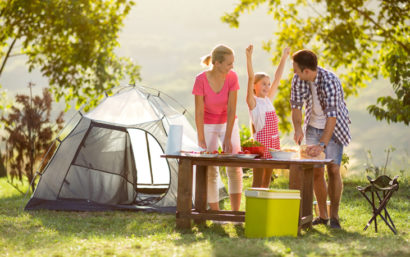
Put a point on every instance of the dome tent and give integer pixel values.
(109, 158)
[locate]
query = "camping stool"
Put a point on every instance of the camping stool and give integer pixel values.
(383, 187)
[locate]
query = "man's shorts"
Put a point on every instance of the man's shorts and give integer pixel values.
(334, 149)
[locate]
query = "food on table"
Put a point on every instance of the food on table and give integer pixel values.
(289, 150)
(305, 155)
(244, 152)
(283, 154)
(206, 152)
(253, 146)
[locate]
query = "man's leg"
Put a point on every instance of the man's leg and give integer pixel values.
(335, 189)
(320, 189)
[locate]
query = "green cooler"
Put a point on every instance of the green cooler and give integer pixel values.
(271, 212)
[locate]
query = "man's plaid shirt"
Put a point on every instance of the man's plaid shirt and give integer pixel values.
(330, 94)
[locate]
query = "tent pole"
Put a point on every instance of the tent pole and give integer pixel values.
(149, 158)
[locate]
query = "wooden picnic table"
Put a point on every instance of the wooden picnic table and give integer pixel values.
(300, 177)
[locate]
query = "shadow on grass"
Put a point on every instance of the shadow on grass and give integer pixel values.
(323, 242)
(49, 227)
(13, 205)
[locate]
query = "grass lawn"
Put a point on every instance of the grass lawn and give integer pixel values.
(54, 233)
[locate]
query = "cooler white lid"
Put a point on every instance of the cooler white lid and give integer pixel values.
(272, 193)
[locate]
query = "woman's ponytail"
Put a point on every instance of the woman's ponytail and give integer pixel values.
(206, 60)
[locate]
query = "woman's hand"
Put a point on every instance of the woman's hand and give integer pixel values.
(202, 144)
(227, 145)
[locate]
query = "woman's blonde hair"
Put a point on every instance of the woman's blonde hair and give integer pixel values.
(217, 54)
(259, 76)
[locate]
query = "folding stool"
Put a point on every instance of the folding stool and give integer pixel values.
(383, 187)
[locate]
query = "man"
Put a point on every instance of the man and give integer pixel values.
(326, 126)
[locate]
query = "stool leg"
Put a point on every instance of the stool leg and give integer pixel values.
(370, 202)
(383, 206)
(374, 213)
(387, 213)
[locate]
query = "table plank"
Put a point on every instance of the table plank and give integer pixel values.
(213, 216)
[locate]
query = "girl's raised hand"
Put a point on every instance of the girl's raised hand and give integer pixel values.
(286, 51)
(249, 50)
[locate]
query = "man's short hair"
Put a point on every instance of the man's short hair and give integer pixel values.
(305, 59)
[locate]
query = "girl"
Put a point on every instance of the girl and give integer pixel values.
(215, 93)
(263, 116)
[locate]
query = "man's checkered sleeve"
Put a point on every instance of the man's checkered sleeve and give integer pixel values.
(333, 94)
(296, 97)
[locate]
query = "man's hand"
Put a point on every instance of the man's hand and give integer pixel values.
(314, 150)
(298, 136)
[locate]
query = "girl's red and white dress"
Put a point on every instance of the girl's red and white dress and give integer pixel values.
(265, 122)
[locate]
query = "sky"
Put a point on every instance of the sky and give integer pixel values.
(168, 38)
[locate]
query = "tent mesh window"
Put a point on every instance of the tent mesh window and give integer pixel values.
(103, 168)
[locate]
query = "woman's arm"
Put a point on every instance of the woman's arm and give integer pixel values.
(227, 144)
(278, 73)
(250, 99)
(199, 120)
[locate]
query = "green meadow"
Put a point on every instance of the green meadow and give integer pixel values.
(126, 233)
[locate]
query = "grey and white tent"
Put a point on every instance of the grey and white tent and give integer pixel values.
(109, 158)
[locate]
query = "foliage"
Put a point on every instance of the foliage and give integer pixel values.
(250, 143)
(375, 169)
(3, 171)
(5, 102)
(71, 42)
(361, 39)
(244, 133)
(29, 133)
(345, 160)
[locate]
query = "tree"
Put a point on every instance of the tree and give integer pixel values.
(71, 42)
(29, 133)
(361, 39)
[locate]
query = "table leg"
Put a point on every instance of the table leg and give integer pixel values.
(307, 196)
(301, 178)
(295, 177)
(201, 188)
(184, 197)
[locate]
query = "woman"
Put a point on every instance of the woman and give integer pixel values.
(215, 93)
